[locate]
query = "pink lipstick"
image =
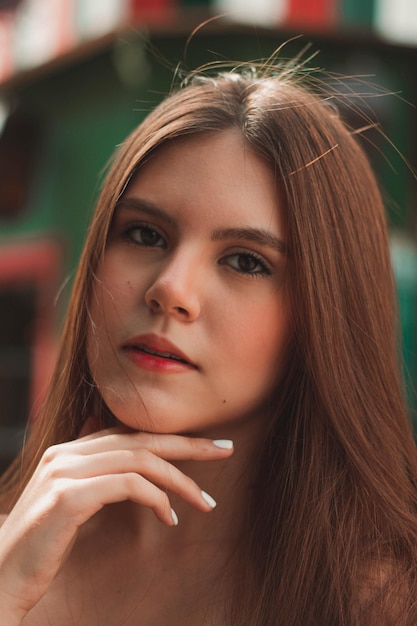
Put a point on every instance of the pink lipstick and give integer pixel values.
(157, 354)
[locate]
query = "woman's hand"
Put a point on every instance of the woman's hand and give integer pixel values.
(74, 481)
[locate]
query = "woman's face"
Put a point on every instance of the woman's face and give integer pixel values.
(189, 315)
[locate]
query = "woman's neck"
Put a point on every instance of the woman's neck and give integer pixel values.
(215, 533)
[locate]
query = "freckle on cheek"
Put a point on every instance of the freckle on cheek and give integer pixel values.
(224, 401)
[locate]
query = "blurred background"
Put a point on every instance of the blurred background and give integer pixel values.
(77, 75)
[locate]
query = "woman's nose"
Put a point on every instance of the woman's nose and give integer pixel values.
(175, 290)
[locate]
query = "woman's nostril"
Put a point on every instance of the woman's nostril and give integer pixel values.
(154, 306)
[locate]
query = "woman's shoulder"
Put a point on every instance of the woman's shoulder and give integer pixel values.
(387, 594)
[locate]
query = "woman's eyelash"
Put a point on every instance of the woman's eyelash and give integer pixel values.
(144, 235)
(147, 236)
(247, 263)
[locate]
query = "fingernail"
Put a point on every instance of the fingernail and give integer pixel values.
(174, 517)
(226, 444)
(210, 501)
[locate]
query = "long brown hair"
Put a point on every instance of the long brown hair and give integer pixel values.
(331, 531)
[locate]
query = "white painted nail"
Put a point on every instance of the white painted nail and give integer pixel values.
(174, 517)
(210, 501)
(226, 444)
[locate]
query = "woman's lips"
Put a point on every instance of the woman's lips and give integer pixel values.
(157, 354)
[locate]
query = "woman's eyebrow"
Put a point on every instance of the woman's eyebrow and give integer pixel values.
(254, 235)
(145, 206)
(259, 236)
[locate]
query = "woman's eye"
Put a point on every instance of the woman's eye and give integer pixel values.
(246, 263)
(145, 236)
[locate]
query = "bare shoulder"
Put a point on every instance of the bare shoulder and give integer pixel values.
(387, 594)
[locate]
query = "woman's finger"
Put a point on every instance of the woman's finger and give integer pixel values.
(75, 501)
(169, 447)
(142, 462)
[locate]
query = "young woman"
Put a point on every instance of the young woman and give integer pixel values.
(235, 286)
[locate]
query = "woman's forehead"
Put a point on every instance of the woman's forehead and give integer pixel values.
(217, 175)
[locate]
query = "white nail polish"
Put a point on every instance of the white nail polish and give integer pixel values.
(226, 444)
(210, 501)
(174, 517)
